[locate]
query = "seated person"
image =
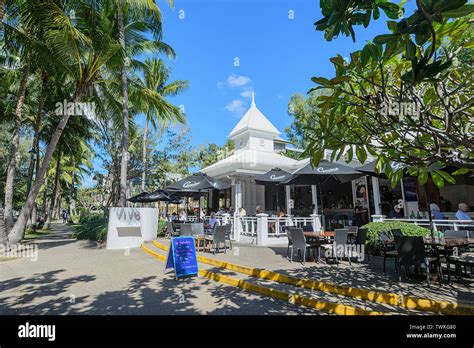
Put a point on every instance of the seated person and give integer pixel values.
(436, 212)
(212, 221)
(272, 225)
(396, 213)
(174, 217)
(461, 214)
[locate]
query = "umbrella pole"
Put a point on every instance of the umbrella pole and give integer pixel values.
(199, 211)
(322, 204)
(277, 201)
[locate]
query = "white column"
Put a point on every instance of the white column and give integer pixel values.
(376, 192)
(262, 229)
(238, 196)
(316, 222)
(288, 198)
(314, 195)
(238, 204)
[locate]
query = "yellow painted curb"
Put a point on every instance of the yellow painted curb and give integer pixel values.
(330, 307)
(373, 296)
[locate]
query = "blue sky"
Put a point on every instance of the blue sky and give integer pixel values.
(278, 51)
(277, 55)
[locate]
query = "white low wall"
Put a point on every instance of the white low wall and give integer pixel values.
(130, 227)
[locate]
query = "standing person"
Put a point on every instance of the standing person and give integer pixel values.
(64, 215)
(242, 212)
(258, 210)
(359, 216)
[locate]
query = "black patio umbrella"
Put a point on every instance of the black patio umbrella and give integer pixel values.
(138, 198)
(196, 184)
(309, 175)
(156, 196)
(273, 178)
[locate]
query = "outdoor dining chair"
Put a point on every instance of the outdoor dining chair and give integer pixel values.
(411, 253)
(299, 243)
(228, 229)
(218, 238)
(186, 229)
(170, 232)
(197, 228)
(396, 232)
(359, 245)
(351, 229)
(389, 251)
(332, 250)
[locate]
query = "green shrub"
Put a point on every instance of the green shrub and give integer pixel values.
(86, 217)
(161, 227)
(93, 229)
(375, 228)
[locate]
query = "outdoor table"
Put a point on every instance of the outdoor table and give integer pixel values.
(448, 243)
(466, 260)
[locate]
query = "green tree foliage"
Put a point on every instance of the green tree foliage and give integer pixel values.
(405, 97)
(212, 153)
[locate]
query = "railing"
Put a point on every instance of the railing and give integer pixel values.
(439, 225)
(261, 229)
(275, 224)
(247, 225)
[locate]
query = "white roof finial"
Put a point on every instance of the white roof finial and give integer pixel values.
(253, 99)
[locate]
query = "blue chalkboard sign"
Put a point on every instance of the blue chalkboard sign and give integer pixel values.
(182, 257)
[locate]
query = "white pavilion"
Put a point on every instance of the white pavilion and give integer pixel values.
(257, 150)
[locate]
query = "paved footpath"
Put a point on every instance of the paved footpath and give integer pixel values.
(76, 277)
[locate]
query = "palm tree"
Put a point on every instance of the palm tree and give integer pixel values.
(135, 8)
(151, 91)
(81, 48)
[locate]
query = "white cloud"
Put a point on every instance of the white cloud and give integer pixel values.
(238, 81)
(236, 107)
(247, 92)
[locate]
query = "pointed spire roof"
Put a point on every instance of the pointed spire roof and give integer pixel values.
(253, 119)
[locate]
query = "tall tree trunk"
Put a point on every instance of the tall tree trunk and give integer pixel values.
(145, 135)
(2, 5)
(18, 231)
(45, 198)
(14, 148)
(3, 230)
(125, 155)
(59, 200)
(54, 194)
(34, 155)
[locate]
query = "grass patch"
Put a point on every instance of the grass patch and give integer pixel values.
(30, 234)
